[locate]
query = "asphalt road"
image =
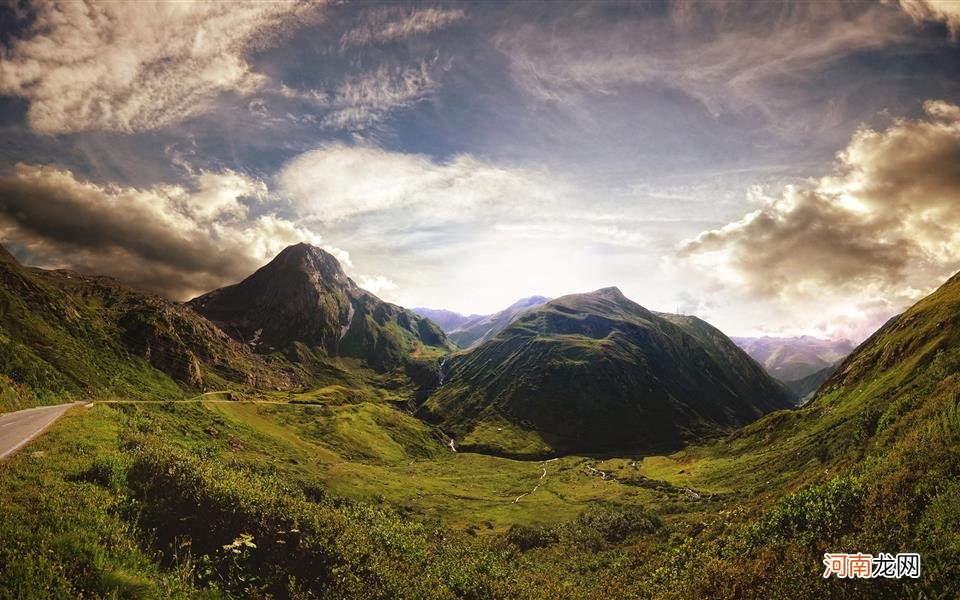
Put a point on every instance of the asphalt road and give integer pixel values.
(18, 428)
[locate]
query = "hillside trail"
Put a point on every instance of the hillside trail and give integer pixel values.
(201, 398)
(542, 465)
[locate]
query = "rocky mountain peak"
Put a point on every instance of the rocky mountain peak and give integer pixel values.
(311, 260)
(6, 257)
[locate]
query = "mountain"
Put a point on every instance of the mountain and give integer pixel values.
(482, 328)
(793, 358)
(922, 342)
(597, 372)
(897, 392)
(804, 388)
(65, 335)
(6, 257)
(448, 320)
(303, 301)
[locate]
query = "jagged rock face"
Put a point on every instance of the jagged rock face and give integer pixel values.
(303, 296)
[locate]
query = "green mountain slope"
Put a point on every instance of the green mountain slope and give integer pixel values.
(65, 335)
(303, 298)
(804, 388)
(871, 463)
(598, 372)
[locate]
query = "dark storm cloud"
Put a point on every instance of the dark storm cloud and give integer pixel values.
(169, 239)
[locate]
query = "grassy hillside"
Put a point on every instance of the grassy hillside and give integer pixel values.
(597, 372)
(873, 464)
(66, 336)
(335, 492)
(56, 346)
(338, 498)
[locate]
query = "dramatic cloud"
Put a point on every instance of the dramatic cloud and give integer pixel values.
(339, 181)
(884, 225)
(169, 239)
(464, 233)
(134, 66)
(943, 11)
(388, 24)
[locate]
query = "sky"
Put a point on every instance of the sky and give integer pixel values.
(777, 168)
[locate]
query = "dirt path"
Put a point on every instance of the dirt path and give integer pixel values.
(543, 466)
(603, 474)
(200, 398)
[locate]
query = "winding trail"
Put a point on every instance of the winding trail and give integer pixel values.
(603, 474)
(542, 465)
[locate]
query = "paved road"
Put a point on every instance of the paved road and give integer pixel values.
(18, 428)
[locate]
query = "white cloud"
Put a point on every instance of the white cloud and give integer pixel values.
(173, 240)
(366, 99)
(360, 100)
(388, 24)
(376, 284)
(860, 243)
(464, 233)
(339, 181)
(943, 11)
(134, 66)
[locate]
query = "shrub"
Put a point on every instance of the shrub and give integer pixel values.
(616, 525)
(526, 538)
(258, 535)
(815, 513)
(108, 471)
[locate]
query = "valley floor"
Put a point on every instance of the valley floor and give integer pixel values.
(214, 497)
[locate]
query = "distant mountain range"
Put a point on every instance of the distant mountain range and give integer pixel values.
(794, 358)
(467, 331)
(448, 320)
(593, 372)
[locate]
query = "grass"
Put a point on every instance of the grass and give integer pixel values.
(499, 435)
(78, 525)
(62, 530)
(372, 452)
(348, 496)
